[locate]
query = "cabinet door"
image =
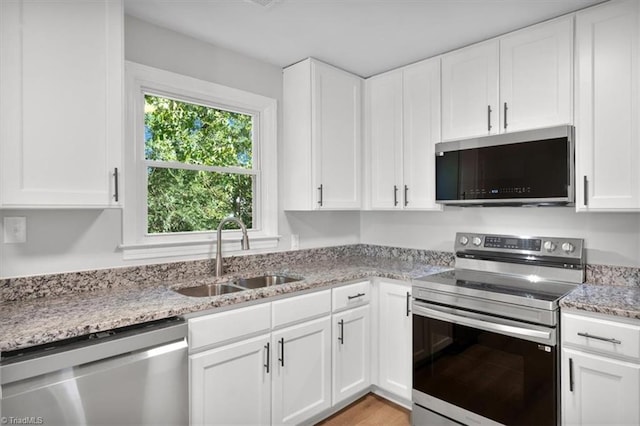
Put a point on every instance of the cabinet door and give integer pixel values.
(385, 139)
(607, 110)
(470, 91)
(301, 371)
(61, 66)
(598, 390)
(232, 384)
(394, 338)
(421, 125)
(536, 77)
(351, 353)
(336, 129)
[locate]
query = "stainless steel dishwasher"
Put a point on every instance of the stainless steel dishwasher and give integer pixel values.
(134, 375)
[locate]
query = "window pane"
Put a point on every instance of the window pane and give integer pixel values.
(187, 200)
(196, 134)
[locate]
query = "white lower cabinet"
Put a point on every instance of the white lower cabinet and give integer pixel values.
(268, 363)
(232, 384)
(301, 371)
(294, 360)
(394, 338)
(351, 353)
(604, 391)
(600, 370)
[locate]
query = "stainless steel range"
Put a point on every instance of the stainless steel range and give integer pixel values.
(485, 335)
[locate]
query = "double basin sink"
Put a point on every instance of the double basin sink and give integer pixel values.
(236, 284)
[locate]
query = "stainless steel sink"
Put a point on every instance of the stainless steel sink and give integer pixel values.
(236, 284)
(208, 290)
(263, 281)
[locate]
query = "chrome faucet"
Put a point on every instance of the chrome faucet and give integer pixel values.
(244, 242)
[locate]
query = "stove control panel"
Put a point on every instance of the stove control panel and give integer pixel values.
(569, 248)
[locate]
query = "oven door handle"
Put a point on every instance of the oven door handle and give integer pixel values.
(484, 322)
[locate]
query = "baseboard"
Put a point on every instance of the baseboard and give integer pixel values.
(339, 406)
(404, 403)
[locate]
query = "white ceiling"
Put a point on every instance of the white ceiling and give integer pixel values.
(365, 37)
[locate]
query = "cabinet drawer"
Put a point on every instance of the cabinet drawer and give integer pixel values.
(229, 325)
(351, 295)
(298, 308)
(601, 334)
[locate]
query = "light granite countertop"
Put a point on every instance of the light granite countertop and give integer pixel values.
(623, 301)
(35, 321)
(43, 309)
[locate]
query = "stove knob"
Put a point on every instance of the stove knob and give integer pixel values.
(476, 241)
(549, 246)
(463, 240)
(568, 247)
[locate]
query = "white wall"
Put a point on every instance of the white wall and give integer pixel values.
(610, 238)
(74, 240)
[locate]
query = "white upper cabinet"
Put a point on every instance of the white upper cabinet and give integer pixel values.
(384, 141)
(322, 137)
(517, 82)
(61, 66)
(536, 76)
(470, 91)
(607, 109)
(421, 131)
(403, 118)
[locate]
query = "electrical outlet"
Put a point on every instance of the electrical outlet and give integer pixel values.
(295, 241)
(15, 230)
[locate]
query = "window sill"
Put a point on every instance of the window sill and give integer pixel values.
(199, 249)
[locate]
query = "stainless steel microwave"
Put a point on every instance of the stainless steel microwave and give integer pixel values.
(534, 167)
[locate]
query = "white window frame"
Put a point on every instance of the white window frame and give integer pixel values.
(137, 243)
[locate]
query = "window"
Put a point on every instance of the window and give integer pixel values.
(199, 165)
(196, 153)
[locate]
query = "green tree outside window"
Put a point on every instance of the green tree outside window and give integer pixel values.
(199, 166)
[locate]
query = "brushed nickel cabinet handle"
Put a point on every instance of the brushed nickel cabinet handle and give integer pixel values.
(320, 188)
(570, 374)
(267, 347)
(585, 190)
(341, 337)
(356, 296)
(406, 195)
(505, 115)
(604, 339)
(281, 359)
(408, 303)
(489, 118)
(395, 195)
(116, 196)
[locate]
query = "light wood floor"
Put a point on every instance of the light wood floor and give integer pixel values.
(370, 410)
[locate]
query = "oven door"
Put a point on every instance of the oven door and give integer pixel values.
(475, 368)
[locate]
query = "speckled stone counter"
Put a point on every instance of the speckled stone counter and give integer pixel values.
(42, 309)
(61, 314)
(623, 301)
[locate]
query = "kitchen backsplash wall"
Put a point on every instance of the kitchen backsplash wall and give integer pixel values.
(610, 238)
(52, 285)
(60, 284)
